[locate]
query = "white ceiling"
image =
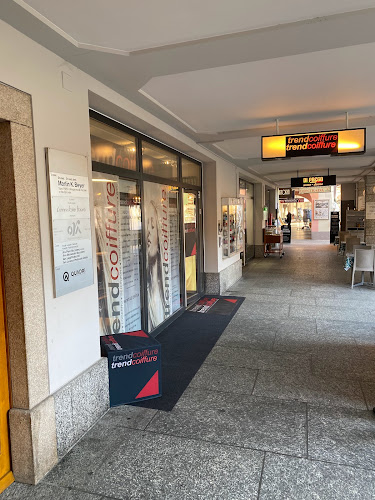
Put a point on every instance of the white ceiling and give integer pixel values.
(222, 72)
(295, 88)
(129, 26)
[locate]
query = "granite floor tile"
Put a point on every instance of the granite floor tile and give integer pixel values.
(225, 379)
(18, 491)
(309, 388)
(258, 423)
(369, 393)
(333, 314)
(300, 479)
(345, 302)
(134, 417)
(263, 310)
(342, 436)
(257, 359)
(150, 466)
(345, 328)
(331, 364)
(315, 293)
(240, 334)
(84, 460)
(313, 343)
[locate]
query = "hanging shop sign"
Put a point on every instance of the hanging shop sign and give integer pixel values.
(339, 142)
(313, 181)
(286, 193)
(70, 221)
(315, 189)
(321, 209)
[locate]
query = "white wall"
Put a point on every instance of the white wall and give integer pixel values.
(61, 121)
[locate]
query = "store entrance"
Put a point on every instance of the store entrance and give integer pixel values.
(6, 476)
(192, 250)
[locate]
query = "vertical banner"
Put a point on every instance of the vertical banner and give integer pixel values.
(130, 232)
(109, 258)
(162, 252)
(70, 221)
(174, 224)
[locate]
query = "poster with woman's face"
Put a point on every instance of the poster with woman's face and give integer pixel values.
(156, 219)
(162, 252)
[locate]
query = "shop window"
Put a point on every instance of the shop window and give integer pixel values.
(112, 146)
(159, 162)
(118, 240)
(161, 216)
(191, 172)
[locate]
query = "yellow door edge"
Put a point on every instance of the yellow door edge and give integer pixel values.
(6, 481)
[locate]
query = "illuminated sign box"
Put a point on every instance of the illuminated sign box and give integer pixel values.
(339, 142)
(313, 181)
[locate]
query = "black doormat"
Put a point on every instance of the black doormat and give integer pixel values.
(185, 344)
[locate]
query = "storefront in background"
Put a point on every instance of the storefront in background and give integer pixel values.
(246, 192)
(146, 196)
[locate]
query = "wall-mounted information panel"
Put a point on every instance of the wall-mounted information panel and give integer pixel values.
(313, 181)
(70, 221)
(339, 142)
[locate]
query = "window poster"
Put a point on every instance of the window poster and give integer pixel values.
(321, 209)
(70, 221)
(162, 252)
(130, 233)
(117, 229)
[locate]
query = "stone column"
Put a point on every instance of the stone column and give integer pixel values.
(32, 420)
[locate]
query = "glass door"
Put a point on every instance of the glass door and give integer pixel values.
(192, 247)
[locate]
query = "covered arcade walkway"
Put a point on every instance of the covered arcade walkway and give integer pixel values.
(280, 409)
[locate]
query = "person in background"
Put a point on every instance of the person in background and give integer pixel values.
(289, 220)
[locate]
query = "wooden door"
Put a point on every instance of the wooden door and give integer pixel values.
(6, 476)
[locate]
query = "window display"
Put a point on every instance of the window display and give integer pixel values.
(232, 212)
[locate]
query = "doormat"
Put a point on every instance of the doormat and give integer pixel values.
(214, 305)
(185, 344)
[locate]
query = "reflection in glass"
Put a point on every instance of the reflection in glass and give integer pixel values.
(190, 229)
(159, 162)
(112, 146)
(191, 172)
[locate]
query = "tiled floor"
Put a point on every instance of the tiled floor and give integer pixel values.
(281, 408)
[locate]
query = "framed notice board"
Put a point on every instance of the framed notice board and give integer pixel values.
(70, 221)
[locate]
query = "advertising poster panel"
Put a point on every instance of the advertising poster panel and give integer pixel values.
(130, 233)
(321, 209)
(162, 252)
(117, 229)
(70, 221)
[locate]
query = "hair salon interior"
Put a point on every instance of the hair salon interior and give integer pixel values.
(165, 216)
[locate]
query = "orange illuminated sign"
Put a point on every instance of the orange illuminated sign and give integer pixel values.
(339, 142)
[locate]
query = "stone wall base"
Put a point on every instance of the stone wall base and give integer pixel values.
(79, 404)
(218, 283)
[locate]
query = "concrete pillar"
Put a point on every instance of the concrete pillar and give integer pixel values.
(259, 223)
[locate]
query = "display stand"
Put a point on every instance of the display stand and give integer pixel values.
(134, 366)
